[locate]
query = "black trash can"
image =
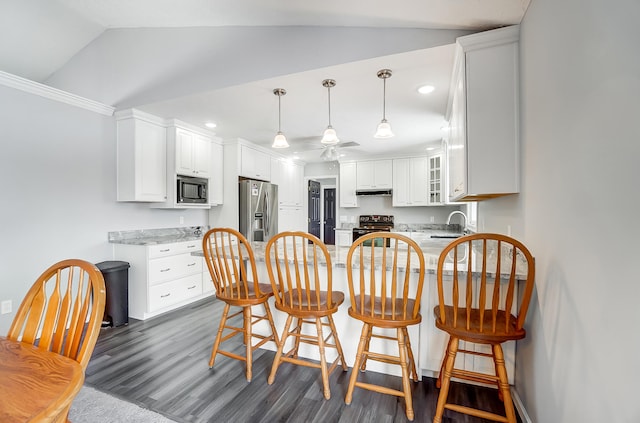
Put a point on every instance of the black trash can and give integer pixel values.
(116, 280)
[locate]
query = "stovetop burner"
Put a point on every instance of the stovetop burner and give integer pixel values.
(373, 221)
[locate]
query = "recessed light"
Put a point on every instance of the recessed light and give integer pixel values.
(210, 125)
(430, 148)
(426, 89)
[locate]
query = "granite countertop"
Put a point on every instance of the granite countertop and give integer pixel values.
(156, 236)
(431, 248)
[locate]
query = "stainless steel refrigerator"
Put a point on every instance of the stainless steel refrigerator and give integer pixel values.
(258, 210)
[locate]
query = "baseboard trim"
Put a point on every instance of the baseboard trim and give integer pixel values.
(32, 87)
(522, 412)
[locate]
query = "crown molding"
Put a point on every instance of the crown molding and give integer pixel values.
(36, 88)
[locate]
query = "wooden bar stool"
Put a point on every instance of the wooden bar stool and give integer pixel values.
(385, 294)
(304, 292)
(477, 298)
(228, 254)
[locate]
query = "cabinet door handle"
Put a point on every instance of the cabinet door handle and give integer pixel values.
(166, 250)
(191, 287)
(165, 295)
(191, 246)
(191, 264)
(165, 270)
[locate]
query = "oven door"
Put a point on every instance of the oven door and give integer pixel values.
(358, 232)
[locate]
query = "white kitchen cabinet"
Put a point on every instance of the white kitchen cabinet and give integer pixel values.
(432, 349)
(254, 163)
(347, 185)
(141, 157)
(482, 147)
(216, 180)
(374, 174)
(190, 152)
(163, 277)
(410, 182)
(289, 177)
(344, 237)
(193, 153)
(436, 185)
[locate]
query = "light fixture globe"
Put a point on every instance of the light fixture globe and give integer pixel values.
(329, 137)
(384, 128)
(279, 141)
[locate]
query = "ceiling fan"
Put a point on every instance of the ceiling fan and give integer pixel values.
(330, 152)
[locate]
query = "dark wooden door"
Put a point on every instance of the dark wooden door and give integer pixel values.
(314, 208)
(329, 216)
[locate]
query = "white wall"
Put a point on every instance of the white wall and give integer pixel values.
(58, 173)
(578, 209)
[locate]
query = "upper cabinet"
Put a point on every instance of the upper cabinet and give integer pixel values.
(254, 163)
(374, 174)
(193, 153)
(410, 182)
(483, 143)
(216, 181)
(436, 185)
(289, 177)
(348, 175)
(152, 152)
(141, 157)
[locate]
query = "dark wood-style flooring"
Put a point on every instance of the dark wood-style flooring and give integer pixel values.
(162, 364)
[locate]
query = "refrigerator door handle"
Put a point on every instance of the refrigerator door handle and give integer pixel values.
(266, 215)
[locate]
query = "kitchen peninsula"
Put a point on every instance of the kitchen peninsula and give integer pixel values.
(428, 342)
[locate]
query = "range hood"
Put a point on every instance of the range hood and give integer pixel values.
(382, 192)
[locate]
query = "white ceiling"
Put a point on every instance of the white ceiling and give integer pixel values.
(52, 39)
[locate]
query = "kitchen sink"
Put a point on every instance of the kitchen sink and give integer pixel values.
(452, 236)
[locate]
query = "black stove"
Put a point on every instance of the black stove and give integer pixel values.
(372, 223)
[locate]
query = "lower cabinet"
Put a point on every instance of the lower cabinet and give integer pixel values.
(163, 277)
(344, 237)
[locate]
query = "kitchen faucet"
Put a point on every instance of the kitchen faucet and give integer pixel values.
(464, 227)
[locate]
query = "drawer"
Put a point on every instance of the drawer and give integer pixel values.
(173, 267)
(169, 293)
(163, 250)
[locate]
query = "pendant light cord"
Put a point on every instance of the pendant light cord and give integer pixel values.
(279, 113)
(384, 98)
(329, 96)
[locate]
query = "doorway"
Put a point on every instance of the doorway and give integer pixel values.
(314, 208)
(329, 222)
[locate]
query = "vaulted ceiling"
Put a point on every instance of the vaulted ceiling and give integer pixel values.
(211, 60)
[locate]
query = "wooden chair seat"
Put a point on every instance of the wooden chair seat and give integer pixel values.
(476, 305)
(385, 299)
(237, 294)
(480, 330)
(232, 266)
(311, 303)
(303, 292)
(394, 314)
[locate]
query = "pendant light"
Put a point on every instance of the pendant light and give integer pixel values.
(280, 141)
(329, 137)
(384, 128)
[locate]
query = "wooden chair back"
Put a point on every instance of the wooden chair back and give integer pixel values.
(232, 265)
(380, 287)
(300, 271)
(477, 276)
(63, 310)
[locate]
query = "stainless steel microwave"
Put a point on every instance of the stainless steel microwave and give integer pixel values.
(192, 190)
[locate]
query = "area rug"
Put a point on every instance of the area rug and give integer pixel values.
(93, 406)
